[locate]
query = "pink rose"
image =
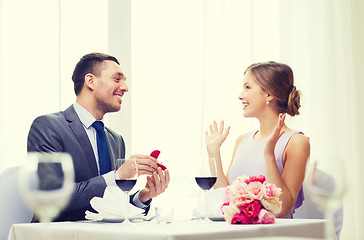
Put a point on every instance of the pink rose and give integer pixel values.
(243, 179)
(239, 188)
(251, 210)
(238, 200)
(227, 194)
(271, 191)
(240, 218)
(256, 190)
(259, 178)
(266, 217)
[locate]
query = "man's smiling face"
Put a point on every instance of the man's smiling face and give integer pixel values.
(110, 87)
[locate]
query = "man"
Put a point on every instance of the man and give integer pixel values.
(99, 85)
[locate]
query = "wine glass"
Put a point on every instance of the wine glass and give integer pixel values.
(326, 185)
(206, 179)
(46, 183)
(126, 184)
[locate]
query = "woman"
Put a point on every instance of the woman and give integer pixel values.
(275, 150)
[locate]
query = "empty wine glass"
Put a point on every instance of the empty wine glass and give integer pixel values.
(127, 183)
(46, 183)
(326, 186)
(206, 179)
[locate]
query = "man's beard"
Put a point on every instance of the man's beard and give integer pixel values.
(107, 107)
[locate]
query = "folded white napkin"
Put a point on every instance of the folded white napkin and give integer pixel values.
(111, 206)
(214, 204)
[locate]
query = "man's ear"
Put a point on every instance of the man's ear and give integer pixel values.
(90, 81)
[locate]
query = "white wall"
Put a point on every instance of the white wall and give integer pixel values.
(40, 43)
(29, 71)
(166, 91)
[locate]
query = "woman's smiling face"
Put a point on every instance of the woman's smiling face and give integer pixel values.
(253, 97)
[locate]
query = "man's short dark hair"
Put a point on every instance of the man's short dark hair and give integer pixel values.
(90, 63)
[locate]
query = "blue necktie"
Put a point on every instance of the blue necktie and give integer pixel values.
(102, 148)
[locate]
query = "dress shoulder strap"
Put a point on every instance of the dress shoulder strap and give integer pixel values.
(281, 146)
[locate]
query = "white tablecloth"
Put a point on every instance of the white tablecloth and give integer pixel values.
(179, 229)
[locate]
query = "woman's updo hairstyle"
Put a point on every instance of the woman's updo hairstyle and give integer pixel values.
(277, 80)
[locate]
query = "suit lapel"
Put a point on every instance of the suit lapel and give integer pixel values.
(81, 135)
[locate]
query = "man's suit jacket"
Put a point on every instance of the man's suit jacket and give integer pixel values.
(64, 132)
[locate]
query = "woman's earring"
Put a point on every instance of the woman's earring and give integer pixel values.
(267, 102)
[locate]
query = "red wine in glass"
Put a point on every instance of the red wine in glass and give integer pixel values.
(126, 184)
(206, 178)
(206, 183)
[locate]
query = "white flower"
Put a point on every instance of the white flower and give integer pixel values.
(272, 204)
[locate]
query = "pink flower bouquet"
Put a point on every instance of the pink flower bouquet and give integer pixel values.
(251, 200)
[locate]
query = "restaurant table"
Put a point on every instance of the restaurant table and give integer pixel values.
(178, 229)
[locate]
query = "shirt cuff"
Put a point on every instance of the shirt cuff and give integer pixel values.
(138, 203)
(109, 178)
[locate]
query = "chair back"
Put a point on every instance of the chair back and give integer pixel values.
(309, 209)
(12, 208)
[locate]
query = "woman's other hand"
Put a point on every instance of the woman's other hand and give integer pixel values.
(216, 136)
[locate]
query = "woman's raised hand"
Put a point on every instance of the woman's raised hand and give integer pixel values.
(216, 136)
(273, 138)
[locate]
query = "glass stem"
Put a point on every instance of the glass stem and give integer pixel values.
(126, 207)
(329, 225)
(206, 207)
